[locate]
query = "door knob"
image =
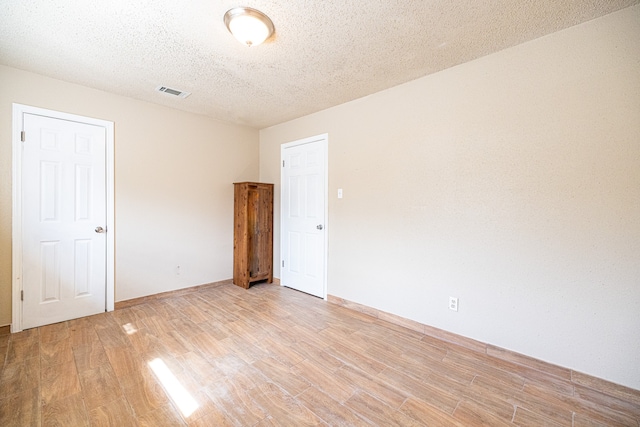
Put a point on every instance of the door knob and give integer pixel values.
(99, 230)
(319, 227)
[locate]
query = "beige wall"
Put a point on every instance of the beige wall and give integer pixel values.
(511, 182)
(173, 171)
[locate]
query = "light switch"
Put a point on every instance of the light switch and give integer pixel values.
(339, 193)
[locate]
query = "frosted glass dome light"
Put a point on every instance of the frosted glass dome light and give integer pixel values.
(250, 26)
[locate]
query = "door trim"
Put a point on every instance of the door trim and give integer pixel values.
(324, 138)
(16, 244)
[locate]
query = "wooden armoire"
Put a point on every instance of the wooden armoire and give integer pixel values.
(252, 233)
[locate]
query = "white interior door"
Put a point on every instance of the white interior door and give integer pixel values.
(304, 228)
(63, 199)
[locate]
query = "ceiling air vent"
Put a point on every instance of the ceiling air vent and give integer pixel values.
(174, 92)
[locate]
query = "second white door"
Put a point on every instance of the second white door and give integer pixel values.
(304, 228)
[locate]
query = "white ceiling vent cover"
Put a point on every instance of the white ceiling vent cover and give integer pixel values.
(174, 92)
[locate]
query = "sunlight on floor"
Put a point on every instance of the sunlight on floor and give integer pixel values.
(176, 391)
(129, 328)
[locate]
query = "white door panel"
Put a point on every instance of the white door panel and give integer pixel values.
(303, 215)
(63, 201)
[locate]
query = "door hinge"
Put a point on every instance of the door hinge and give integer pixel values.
(21, 295)
(283, 163)
(283, 263)
(22, 136)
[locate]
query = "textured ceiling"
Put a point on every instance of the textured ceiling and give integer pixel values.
(324, 53)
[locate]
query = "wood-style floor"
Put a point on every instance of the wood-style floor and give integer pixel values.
(222, 355)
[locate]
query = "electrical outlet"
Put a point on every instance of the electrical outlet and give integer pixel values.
(178, 270)
(453, 303)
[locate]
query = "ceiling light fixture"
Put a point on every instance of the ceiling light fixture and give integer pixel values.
(249, 26)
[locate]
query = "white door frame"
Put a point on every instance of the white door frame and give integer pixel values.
(16, 245)
(318, 138)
